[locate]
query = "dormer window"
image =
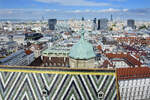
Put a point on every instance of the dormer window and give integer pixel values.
(100, 95)
(45, 92)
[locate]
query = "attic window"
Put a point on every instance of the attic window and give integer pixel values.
(45, 92)
(100, 95)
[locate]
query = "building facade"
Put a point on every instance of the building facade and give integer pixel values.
(102, 24)
(53, 57)
(19, 58)
(94, 24)
(134, 83)
(131, 23)
(52, 23)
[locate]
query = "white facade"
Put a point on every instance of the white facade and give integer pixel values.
(76, 25)
(4, 38)
(37, 29)
(120, 64)
(38, 52)
(9, 46)
(20, 39)
(8, 28)
(20, 58)
(108, 47)
(135, 89)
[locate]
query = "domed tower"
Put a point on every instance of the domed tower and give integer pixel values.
(81, 54)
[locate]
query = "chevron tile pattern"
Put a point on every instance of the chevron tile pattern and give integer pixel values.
(29, 86)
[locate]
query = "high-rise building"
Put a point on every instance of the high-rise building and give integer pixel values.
(102, 24)
(52, 23)
(94, 21)
(111, 17)
(131, 23)
(82, 18)
(42, 18)
(94, 24)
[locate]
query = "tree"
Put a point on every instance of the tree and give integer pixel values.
(111, 29)
(143, 27)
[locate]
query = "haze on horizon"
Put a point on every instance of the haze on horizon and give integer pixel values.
(64, 9)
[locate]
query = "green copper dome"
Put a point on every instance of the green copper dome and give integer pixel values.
(83, 49)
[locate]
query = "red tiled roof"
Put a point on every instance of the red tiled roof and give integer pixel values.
(133, 73)
(28, 52)
(111, 55)
(133, 60)
(127, 57)
(106, 63)
(99, 47)
(139, 40)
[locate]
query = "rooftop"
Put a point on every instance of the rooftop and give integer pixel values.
(133, 73)
(82, 49)
(47, 51)
(127, 58)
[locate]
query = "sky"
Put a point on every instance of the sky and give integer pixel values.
(75, 9)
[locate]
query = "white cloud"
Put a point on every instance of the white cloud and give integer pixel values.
(51, 10)
(109, 10)
(65, 14)
(41, 11)
(114, 10)
(125, 10)
(75, 2)
(25, 13)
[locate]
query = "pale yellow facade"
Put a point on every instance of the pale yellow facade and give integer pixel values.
(82, 63)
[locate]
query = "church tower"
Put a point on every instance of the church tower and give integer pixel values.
(81, 54)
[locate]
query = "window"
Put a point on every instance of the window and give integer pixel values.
(126, 89)
(131, 89)
(45, 91)
(143, 88)
(100, 95)
(135, 89)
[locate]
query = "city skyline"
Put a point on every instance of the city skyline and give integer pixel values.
(74, 50)
(35, 9)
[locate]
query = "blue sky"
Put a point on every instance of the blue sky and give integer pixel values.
(64, 9)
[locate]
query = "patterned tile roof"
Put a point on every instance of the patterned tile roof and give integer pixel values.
(18, 83)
